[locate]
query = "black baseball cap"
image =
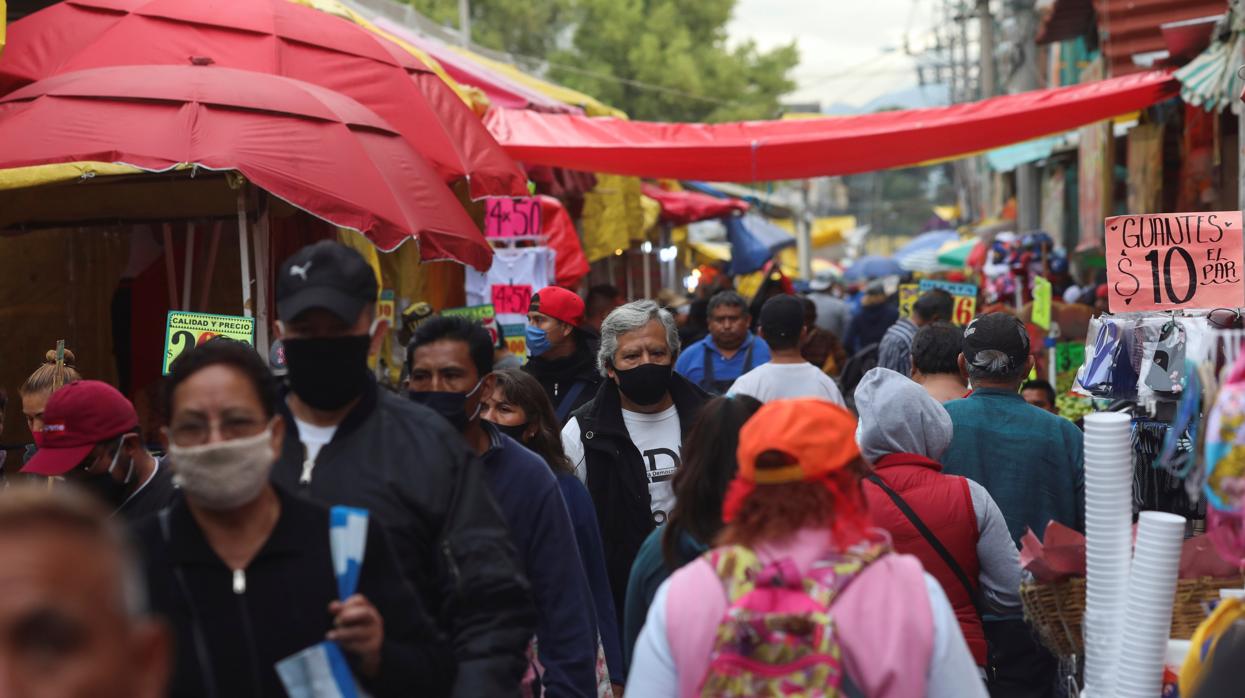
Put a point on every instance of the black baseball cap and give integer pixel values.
(996, 332)
(782, 317)
(325, 275)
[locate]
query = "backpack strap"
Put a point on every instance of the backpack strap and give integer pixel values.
(927, 534)
(568, 401)
(739, 569)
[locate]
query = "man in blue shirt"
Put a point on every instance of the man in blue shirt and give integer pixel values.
(729, 351)
(451, 365)
(1029, 460)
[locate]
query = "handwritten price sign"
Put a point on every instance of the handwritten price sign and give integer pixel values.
(508, 217)
(1165, 261)
(965, 296)
(511, 299)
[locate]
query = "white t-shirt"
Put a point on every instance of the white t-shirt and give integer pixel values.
(659, 440)
(773, 381)
(314, 438)
(522, 272)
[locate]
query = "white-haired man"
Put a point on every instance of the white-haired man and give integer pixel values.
(626, 443)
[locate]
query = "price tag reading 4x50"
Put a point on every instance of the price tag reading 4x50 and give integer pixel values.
(509, 217)
(185, 330)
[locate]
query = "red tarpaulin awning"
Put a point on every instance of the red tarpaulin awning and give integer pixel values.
(317, 149)
(268, 36)
(683, 207)
(796, 149)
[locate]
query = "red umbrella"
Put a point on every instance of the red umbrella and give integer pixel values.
(318, 150)
(267, 36)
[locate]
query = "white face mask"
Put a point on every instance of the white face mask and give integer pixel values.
(225, 475)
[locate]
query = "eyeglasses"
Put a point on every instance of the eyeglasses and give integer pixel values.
(196, 432)
(1225, 319)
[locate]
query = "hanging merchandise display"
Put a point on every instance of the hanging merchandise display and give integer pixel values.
(508, 285)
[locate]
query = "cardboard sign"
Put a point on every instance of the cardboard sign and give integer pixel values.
(1166, 261)
(509, 217)
(483, 314)
(386, 308)
(511, 299)
(184, 330)
(516, 340)
(1041, 303)
(1069, 356)
(908, 293)
(965, 296)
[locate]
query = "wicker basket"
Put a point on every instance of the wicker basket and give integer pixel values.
(1055, 610)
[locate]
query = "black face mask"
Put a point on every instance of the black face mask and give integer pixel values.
(514, 431)
(645, 384)
(328, 372)
(451, 406)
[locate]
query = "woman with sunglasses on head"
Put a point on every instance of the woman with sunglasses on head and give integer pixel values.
(520, 408)
(245, 571)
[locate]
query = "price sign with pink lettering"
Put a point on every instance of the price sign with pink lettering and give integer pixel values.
(1168, 261)
(509, 217)
(511, 298)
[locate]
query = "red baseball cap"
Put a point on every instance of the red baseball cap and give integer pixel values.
(77, 417)
(559, 304)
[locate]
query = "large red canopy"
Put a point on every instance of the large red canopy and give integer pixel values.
(319, 150)
(796, 149)
(267, 36)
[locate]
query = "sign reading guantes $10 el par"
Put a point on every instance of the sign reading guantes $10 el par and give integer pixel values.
(1168, 261)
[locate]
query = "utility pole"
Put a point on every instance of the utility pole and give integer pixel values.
(986, 83)
(1028, 186)
(464, 22)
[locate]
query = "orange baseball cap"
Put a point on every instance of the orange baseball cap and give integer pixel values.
(819, 436)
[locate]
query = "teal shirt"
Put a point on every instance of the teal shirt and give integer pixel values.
(647, 573)
(1029, 460)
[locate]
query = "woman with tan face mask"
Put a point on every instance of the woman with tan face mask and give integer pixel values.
(245, 570)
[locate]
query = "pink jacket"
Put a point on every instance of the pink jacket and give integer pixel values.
(884, 619)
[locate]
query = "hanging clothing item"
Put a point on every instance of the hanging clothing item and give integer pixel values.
(509, 284)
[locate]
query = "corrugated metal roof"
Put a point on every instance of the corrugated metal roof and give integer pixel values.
(1130, 27)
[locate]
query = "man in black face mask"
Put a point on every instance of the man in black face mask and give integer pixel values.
(350, 443)
(627, 442)
(91, 439)
(451, 364)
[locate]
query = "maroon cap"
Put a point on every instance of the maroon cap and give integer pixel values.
(559, 304)
(77, 417)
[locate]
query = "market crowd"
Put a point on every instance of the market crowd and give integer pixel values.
(788, 494)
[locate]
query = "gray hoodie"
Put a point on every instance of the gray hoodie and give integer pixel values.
(898, 416)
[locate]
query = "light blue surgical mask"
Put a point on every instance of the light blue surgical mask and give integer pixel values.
(537, 341)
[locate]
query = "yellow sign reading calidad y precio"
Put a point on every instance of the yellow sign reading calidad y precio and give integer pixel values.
(185, 330)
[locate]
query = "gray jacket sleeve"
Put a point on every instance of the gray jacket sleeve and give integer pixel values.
(996, 554)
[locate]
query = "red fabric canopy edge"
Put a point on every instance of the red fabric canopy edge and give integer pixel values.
(797, 149)
(683, 207)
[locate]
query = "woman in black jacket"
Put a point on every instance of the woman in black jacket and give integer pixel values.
(244, 571)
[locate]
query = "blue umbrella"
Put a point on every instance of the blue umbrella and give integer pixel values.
(927, 241)
(872, 267)
(753, 242)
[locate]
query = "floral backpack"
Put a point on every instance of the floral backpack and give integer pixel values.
(778, 637)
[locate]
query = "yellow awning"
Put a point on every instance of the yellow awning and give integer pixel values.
(827, 230)
(21, 177)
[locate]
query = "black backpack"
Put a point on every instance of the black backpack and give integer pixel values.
(854, 371)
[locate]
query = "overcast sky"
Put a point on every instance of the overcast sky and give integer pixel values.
(843, 44)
